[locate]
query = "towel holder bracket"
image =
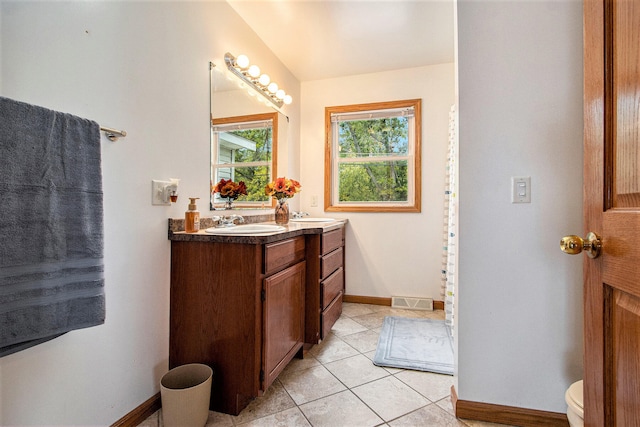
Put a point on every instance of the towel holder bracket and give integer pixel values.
(113, 134)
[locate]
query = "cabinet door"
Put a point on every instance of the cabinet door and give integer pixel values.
(283, 325)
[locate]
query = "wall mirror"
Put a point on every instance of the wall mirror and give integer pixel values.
(245, 135)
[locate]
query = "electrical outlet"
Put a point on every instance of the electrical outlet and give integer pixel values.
(314, 201)
(157, 192)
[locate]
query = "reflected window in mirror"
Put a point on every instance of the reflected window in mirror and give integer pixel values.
(243, 148)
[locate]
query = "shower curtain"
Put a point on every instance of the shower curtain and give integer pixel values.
(450, 238)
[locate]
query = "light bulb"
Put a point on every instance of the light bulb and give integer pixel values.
(242, 61)
(288, 99)
(264, 79)
(273, 87)
(254, 71)
(280, 94)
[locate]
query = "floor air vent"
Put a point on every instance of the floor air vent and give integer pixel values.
(412, 303)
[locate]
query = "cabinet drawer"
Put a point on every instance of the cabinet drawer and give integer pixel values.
(331, 262)
(278, 255)
(330, 315)
(332, 240)
(331, 287)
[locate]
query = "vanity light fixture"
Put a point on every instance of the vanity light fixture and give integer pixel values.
(261, 83)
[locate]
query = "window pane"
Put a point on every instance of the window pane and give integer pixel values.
(374, 154)
(371, 138)
(254, 177)
(373, 182)
(240, 146)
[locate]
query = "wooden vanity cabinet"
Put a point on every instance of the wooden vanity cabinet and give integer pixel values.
(238, 308)
(325, 283)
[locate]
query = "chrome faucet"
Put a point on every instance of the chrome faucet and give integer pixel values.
(297, 215)
(227, 221)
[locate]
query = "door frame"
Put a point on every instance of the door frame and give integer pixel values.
(593, 175)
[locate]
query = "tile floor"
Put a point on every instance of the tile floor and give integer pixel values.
(336, 384)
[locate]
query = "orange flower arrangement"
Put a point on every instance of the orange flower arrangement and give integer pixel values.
(229, 189)
(282, 188)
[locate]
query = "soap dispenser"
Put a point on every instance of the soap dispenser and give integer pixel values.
(192, 217)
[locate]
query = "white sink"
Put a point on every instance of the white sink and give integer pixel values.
(310, 219)
(249, 229)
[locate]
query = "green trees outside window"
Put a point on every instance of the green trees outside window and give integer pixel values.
(243, 150)
(254, 177)
(373, 181)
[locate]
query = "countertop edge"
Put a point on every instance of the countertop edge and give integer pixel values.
(293, 230)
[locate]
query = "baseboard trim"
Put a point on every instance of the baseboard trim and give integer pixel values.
(437, 305)
(141, 413)
(511, 415)
(366, 300)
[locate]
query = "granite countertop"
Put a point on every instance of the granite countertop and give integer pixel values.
(292, 229)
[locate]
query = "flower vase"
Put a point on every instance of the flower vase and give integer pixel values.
(228, 204)
(282, 212)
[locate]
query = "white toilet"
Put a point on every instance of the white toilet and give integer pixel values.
(575, 408)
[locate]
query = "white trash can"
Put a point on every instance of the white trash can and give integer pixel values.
(185, 392)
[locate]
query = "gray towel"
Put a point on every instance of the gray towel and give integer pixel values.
(51, 225)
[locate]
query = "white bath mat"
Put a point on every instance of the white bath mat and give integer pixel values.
(419, 344)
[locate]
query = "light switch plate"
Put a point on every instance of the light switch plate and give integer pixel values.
(520, 189)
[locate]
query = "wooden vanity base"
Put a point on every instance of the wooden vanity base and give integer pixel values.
(246, 307)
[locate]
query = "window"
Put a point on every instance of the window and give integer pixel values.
(243, 149)
(372, 158)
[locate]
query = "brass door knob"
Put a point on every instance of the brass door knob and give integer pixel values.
(573, 245)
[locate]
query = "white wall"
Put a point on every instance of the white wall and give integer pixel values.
(387, 253)
(520, 298)
(142, 67)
